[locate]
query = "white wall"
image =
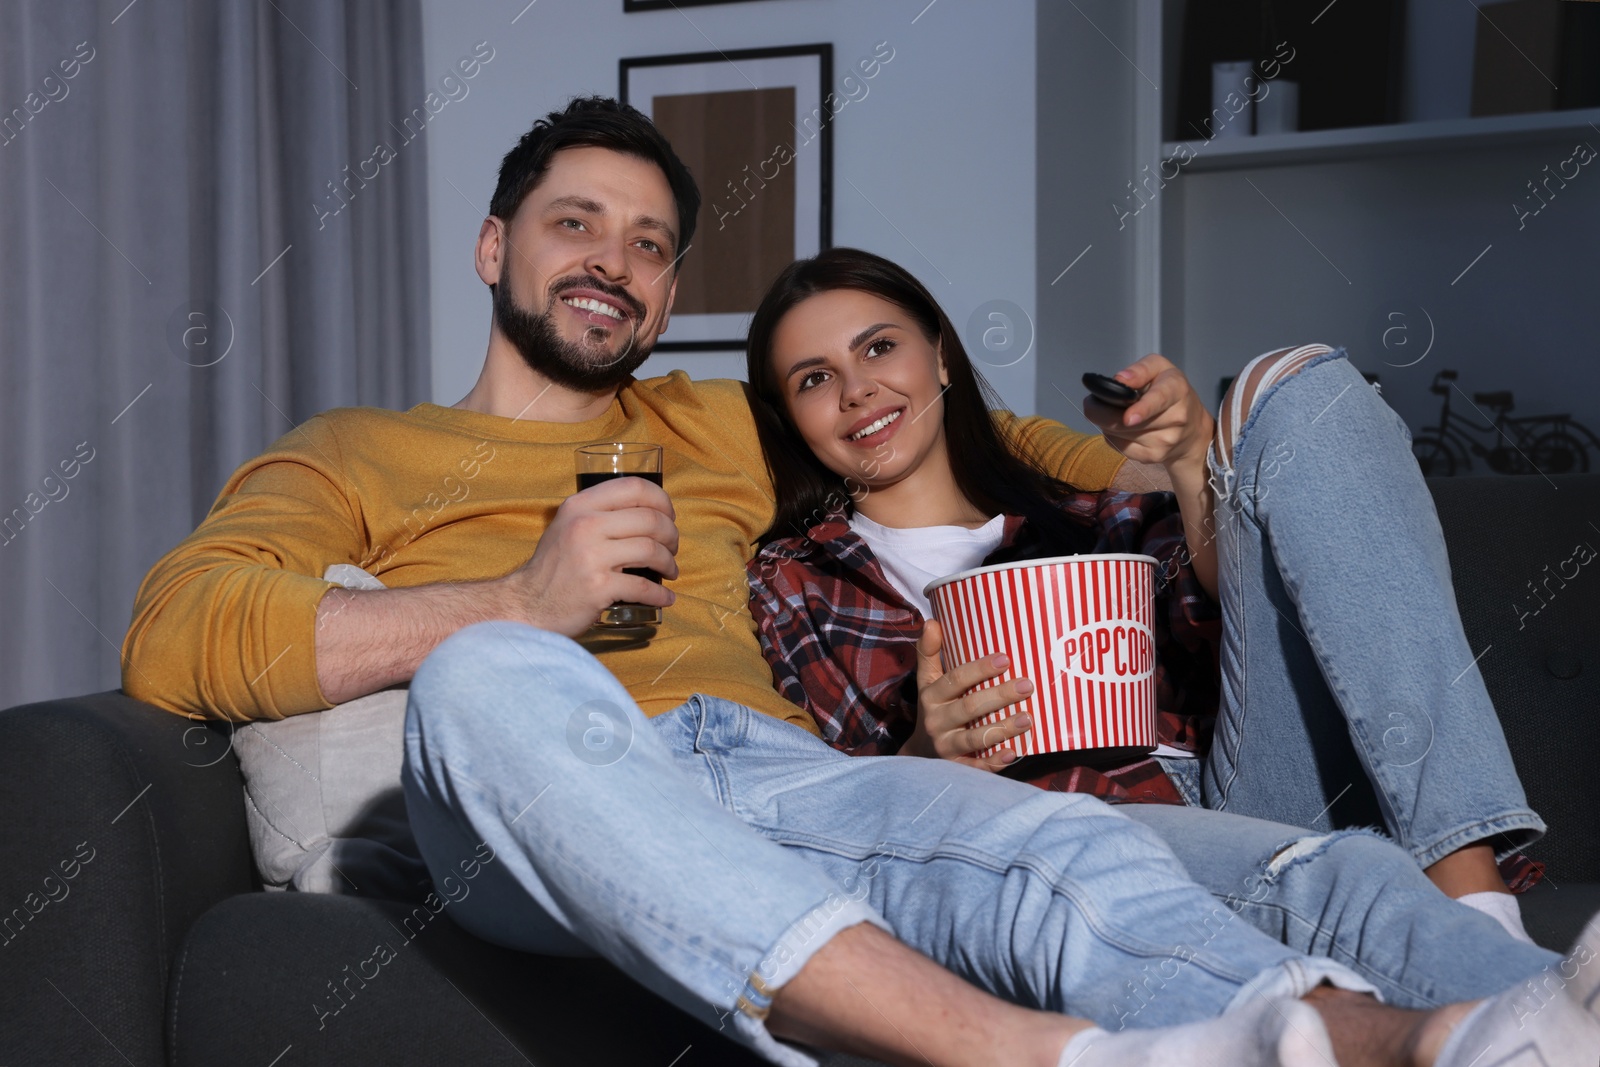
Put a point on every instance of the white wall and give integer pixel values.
(1087, 97)
(942, 147)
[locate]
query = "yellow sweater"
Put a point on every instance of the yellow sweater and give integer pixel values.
(225, 624)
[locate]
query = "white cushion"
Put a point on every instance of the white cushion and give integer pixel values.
(323, 799)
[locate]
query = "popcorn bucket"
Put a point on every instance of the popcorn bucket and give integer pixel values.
(1080, 627)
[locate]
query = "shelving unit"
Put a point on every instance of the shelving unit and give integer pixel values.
(1163, 266)
(1427, 234)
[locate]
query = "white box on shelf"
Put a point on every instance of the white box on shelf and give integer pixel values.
(1232, 107)
(1278, 108)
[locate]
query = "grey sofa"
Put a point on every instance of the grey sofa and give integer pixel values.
(158, 945)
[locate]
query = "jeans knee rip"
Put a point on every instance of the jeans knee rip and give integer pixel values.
(1303, 849)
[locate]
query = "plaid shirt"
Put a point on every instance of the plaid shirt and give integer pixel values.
(841, 639)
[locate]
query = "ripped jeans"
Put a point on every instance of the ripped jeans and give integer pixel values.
(709, 852)
(1350, 697)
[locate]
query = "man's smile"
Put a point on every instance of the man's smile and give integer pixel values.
(593, 307)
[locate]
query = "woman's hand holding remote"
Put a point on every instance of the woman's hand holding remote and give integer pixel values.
(1169, 425)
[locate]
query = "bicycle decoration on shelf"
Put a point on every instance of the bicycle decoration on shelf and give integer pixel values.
(1533, 444)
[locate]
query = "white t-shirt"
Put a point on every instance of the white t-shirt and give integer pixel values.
(912, 558)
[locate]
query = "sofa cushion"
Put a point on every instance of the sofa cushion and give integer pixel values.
(1531, 610)
(305, 977)
(1555, 912)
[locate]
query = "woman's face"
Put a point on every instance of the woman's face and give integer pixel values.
(858, 377)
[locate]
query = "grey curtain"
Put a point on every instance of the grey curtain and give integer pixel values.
(202, 244)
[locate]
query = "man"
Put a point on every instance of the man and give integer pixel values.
(662, 805)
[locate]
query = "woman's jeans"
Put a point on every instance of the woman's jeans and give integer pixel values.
(1350, 696)
(709, 852)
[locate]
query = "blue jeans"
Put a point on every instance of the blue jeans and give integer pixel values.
(1350, 696)
(711, 851)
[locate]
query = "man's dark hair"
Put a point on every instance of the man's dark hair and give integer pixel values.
(594, 122)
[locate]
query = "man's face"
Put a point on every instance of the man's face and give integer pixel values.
(586, 268)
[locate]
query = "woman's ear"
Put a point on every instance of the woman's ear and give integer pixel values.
(944, 372)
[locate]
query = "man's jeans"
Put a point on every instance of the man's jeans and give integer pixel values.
(711, 851)
(1350, 696)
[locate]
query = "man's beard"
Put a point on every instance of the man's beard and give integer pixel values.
(574, 364)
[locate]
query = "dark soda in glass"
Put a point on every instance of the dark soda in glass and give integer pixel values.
(589, 479)
(622, 459)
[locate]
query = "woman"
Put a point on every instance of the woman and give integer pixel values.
(1306, 558)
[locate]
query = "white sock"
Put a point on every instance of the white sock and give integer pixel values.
(1549, 1019)
(1263, 1033)
(1502, 908)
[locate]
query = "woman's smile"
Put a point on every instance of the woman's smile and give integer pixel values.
(876, 428)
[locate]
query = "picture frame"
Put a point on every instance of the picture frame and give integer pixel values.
(630, 6)
(752, 128)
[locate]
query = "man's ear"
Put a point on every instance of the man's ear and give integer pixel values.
(489, 254)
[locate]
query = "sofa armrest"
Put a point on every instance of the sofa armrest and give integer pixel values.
(122, 824)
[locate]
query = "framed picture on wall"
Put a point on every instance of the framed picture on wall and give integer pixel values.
(668, 5)
(752, 129)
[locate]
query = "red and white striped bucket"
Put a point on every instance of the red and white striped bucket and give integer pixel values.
(1080, 627)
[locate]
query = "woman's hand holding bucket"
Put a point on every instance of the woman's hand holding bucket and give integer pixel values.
(949, 705)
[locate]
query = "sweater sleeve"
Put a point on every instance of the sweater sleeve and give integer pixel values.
(224, 625)
(1082, 460)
